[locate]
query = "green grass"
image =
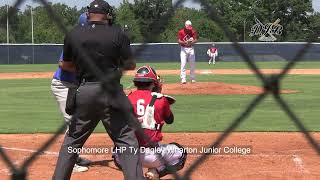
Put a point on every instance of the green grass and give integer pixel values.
(199, 65)
(217, 112)
(238, 65)
(28, 68)
(27, 106)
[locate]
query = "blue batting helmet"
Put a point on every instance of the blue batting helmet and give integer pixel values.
(83, 19)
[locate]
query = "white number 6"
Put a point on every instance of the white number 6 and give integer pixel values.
(140, 107)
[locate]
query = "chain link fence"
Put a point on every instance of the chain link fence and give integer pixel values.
(166, 52)
(270, 83)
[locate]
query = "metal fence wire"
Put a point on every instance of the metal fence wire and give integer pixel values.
(270, 83)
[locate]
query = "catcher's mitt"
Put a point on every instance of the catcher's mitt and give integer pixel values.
(158, 89)
(170, 99)
(158, 85)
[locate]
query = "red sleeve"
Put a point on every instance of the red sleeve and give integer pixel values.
(166, 108)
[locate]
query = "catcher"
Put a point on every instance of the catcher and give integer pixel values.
(212, 53)
(152, 110)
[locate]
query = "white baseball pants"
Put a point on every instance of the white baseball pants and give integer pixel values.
(213, 58)
(169, 153)
(60, 91)
(187, 54)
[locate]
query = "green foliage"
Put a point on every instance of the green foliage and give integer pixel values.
(3, 35)
(148, 14)
(314, 26)
(3, 25)
(206, 28)
(13, 26)
(294, 16)
(126, 16)
(45, 30)
(143, 20)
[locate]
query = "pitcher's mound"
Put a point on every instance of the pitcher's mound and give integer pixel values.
(212, 88)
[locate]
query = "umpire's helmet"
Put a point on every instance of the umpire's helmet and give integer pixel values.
(145, 74)
(102, 7)
(99, 7)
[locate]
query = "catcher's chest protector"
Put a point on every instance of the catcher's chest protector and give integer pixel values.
(148, 119)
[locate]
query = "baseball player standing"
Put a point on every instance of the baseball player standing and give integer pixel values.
(109, 50)
(187, 37)
(63, 79)
(153, 110)
(212, 53)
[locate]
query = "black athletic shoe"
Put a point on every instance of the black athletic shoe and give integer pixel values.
(83, 162)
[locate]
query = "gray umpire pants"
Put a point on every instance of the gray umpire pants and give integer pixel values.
(92, 104)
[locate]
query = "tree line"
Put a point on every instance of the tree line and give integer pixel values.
(145, 20)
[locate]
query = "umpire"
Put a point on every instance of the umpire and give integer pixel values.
(109, 50)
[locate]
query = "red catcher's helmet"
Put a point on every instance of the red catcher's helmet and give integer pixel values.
(148, 74)
(145, 74)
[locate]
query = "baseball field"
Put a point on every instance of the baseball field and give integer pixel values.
(29, 116)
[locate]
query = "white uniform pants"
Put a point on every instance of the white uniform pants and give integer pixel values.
(60, 91)
(169, 153)
(187, 54)
(213, 57)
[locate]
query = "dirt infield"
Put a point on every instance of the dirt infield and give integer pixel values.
(189, 89)
(213, 88)
(273, 156)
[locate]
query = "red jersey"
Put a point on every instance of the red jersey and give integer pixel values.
(213, 50)
(140, 100)
(184, 35)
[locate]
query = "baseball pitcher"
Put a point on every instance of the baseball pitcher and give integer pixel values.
(212, 53)
(187, 37)
(153, 110)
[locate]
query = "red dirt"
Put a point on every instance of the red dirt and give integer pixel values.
(188, 89)
(274, 156)
(213, 88)
(26, 75)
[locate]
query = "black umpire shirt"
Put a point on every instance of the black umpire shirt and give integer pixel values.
(108, 48)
